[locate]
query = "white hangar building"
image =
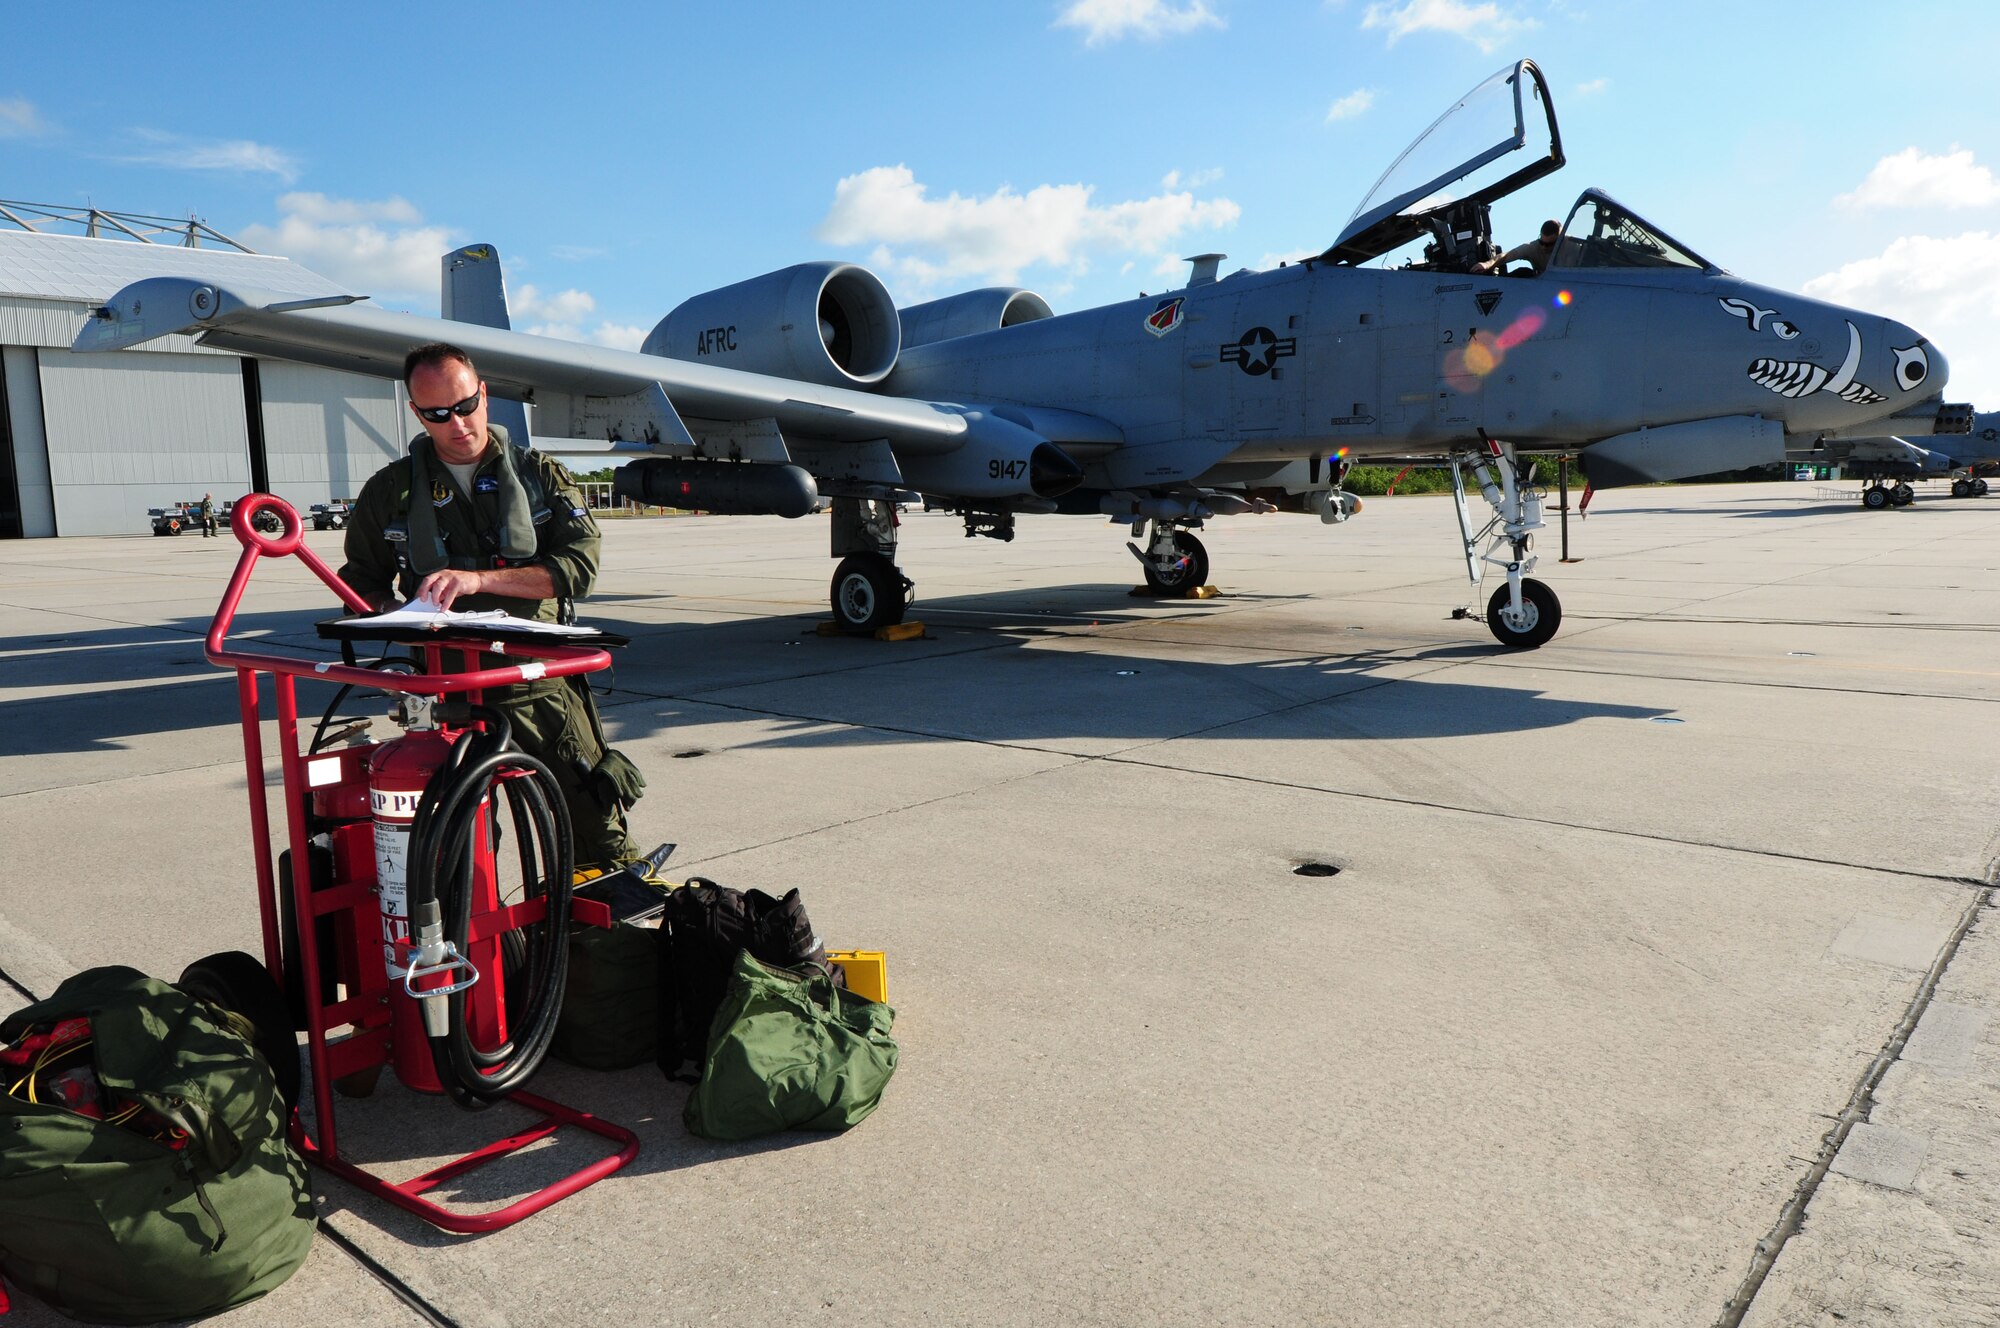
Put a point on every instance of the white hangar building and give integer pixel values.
(90, 442)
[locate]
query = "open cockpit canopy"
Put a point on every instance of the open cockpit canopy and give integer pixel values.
(1469, 157)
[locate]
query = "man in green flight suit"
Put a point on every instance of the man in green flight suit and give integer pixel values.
(468, 521)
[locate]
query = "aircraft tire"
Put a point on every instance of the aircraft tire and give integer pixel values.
(1902, 495)
(1961, 488)
(868, 592)
(1874, 497)
(1542, 612)
(1192, 573)
(1979, 488)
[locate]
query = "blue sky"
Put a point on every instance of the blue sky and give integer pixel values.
(626, 156)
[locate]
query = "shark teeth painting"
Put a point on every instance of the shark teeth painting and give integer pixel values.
(1800, 378)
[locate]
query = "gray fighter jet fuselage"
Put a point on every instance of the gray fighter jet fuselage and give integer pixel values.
(1235, 393)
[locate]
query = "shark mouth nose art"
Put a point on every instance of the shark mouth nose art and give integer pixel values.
(1801, 378)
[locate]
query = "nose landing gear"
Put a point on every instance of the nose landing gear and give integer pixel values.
(1524, 613)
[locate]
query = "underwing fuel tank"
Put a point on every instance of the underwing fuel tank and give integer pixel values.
(1676, 451)
(727, 488)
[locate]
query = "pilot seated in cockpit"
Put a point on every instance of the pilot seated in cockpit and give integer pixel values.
(1537, 252)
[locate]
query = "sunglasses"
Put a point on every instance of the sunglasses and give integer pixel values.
(439, 414)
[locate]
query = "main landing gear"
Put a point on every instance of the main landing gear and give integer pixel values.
(1967, 487)
(869, 590)
(1524, 613)
(1174, 560)
(1879, 495)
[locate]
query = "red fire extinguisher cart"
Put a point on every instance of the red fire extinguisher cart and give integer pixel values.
(342, 925)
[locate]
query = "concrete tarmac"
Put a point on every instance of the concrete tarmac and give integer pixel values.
(1655, 986)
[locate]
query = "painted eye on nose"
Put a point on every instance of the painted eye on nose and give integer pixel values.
(1913, 365)
(1785, 331)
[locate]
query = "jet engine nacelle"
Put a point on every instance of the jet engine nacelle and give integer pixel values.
(827, 323)
(972, 311)
(999, 462)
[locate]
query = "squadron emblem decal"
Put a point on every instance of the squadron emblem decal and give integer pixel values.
(1802, 378)
(440, 493)
(1166, 316)
(1487, 300)
(1258, 350)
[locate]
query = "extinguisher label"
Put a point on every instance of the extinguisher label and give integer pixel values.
(392, 870)
(394, 803)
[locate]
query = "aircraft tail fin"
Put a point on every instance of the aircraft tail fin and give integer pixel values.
(475, 291)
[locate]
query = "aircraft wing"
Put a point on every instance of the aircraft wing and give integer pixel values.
(609, 394)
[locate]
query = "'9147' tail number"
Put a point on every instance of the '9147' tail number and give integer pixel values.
(1006, 470)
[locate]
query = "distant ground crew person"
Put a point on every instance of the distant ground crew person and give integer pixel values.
(468, 521)
(207, 515)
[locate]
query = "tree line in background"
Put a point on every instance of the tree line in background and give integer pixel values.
(1374, 481)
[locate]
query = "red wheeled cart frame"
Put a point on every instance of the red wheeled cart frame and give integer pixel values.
(350, 899)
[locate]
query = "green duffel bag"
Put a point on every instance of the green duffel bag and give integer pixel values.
(790, 1050)
(110, 1225)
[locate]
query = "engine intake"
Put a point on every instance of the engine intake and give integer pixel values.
(827, 323)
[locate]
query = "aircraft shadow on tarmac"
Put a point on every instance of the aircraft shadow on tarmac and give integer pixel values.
(1758, 509)
(996, 674)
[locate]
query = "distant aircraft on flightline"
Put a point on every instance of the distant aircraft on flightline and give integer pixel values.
(1237, 393)
(1889, 464)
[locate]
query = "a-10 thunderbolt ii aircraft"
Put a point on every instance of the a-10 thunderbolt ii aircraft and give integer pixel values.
(1889, 464)
(1235, 394)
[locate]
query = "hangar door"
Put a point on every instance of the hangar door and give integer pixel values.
(131, 430)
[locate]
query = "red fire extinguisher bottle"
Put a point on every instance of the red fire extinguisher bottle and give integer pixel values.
(398, 771)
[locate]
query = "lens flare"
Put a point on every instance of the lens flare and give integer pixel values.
(1481, 358)
(1562, 299)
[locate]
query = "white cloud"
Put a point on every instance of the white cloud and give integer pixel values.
(1486, 26)
(19, 118)
(1191, 180)
(1945, 288)
(1353, 104)
(374, 248)
(929, 241)
(1271, 260)
(618, 336)
(320, 210)
(1593, 87)
(1108, 20)
(234, 155)
(568, 306)
(562, 315)
(1911, 179)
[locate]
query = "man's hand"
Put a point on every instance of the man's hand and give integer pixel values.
(442, 587)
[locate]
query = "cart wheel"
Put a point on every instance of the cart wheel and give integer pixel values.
(241, 984)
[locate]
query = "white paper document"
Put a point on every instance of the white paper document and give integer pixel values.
(422, 613)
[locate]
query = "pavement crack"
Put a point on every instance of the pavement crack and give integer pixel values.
(397, 1287)
(1860, 1103)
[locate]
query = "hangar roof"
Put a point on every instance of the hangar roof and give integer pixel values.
(69, 267)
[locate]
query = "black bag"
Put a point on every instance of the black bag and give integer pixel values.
(704, 928)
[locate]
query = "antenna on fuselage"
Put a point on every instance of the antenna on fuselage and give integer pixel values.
(1203, 268)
